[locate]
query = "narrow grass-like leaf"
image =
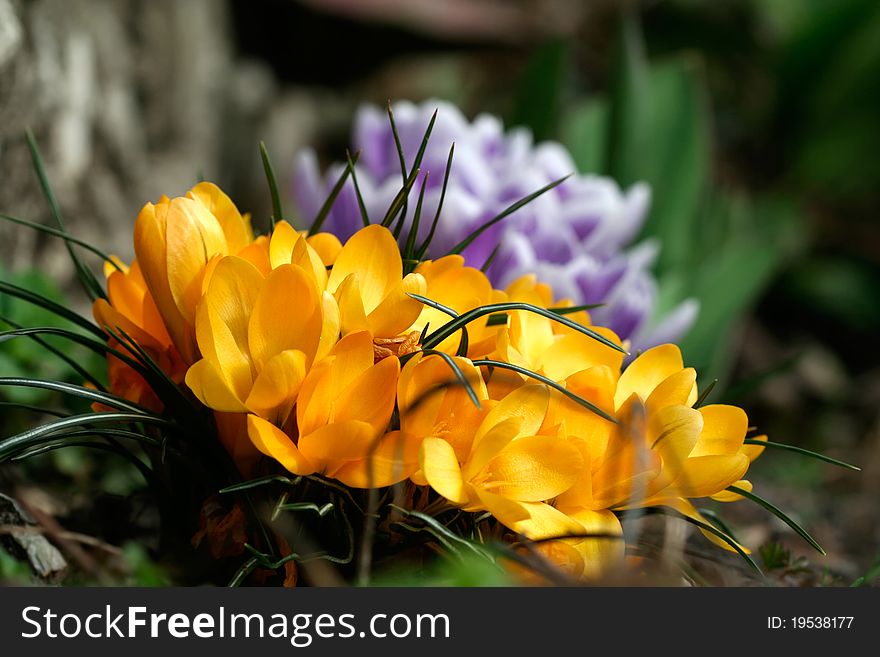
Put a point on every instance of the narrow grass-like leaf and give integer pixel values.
(423, 249)
(465, 340)
(82, 392)
(491, 258)
(716, 520)
(141, 467)
(705, 394)
(70, 362)
(321, 511)
(440, 530)
(549, 382)
(712, 529)
(242, 573)
(409, 247)
(86, 277)
(399, 199)
(33, 408)
(575, 309)
(39, 435)
(52, 306)
(95, 346)
(459, 375)
(277, 212)
(776, 511)
(362, 207)
(466, 242)
(451, 327)
(803, 452)
(417, 163)
(260, 481)
(63, 235)
(319, 219)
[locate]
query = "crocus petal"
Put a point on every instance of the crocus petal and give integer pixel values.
(528, 402)
(370, 398)
(193, 237)
(307, 258)
(441, 470)
(534, 520)
(396, 457)
(679, 388)
(728, 496)
(286, 315)
(352, 316)
(212, 389)
(533, 469)
(398, 310)
(576, 352)
(754, 451)
(373, 254)
(276, 387)
(327, 245)
(281, 244)
(330, 327)
(273, 442)
(221, 325)
(338, 441)
(647, 371)
(724, 429)
(236, 228)
(150, 248)
(708, 475)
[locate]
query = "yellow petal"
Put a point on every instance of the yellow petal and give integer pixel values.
(576, 352)
(236, 229)
(150, 248)
(352, 316)
(753, 451)
(327, 245)
(687, 509)
(599, 555)
(370, 398)
(277, 385)
(257, 254)
(395, 458)
(441, 470)
(724, 429)
(339, 441)
(281, 244)
(646, 372)
(528, 403)
(193, 237)
(307, 258)
(676, 389)
(286, 315)
(534, 520)
(222, 322)
(209, 386)
(330, 327)
(580, 494)
(708, 475)
(727, 496)
(533, 469)
(273, 442)
(397, 311)
(373, 254)
(495, 440)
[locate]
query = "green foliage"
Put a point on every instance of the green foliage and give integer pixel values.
(23, 357)
(466, 571)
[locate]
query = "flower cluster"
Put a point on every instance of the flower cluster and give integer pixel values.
(573, 237)
(333, 359)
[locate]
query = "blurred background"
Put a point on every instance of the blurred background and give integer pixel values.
(754, 121)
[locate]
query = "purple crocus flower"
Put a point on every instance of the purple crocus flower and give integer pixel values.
(574, 237)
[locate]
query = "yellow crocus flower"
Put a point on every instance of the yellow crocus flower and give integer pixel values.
(258, 338)
(368, 283)
(342, 415)
(174, 241)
